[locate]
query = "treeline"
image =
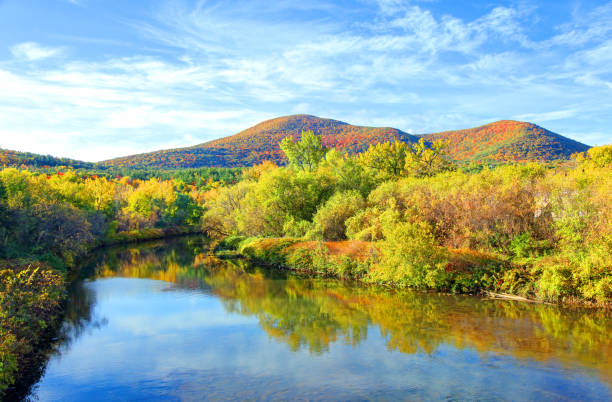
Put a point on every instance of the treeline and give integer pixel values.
(15, 158)
(525, 229)
(57, 217)
(202, 178)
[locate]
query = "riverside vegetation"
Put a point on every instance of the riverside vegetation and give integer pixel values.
(397, 214)
(404, 215)
(48, 220)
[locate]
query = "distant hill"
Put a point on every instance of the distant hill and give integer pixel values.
(504, 140)
(15, 158)
(508, 140)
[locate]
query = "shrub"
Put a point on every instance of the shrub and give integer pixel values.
(296, 228)
(230, 242)
(365, 225)
(522, 245)
(30, 298)
(330, 219)
(411, 257)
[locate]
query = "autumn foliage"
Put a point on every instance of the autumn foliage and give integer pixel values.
(500, 141)
(527, 229)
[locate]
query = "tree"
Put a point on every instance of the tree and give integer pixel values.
(62, 230)
(428, 160)
(388, 157)
(349, 173)
(154, 200)
(305, 154)
(4, 222)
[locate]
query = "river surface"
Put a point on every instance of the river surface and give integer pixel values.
(164, 321)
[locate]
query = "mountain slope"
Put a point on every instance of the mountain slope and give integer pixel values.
(504, 140)
(508, 140)
(260, 143)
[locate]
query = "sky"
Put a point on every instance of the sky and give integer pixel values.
(97, 79)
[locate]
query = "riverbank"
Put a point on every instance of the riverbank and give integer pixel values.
(136, 236)
(453, 270)
(32, 296)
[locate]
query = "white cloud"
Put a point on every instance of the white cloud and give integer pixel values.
(33, 51)
(231, 67)
(548, 116)
(584, 28)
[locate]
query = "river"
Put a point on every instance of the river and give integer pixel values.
(165, 321)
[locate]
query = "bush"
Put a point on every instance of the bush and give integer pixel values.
(296, 228)
(522, 245)
(411, 257)
(279, 196)
(330, 219)
(230, 243)
(30, 298)
(365, 225)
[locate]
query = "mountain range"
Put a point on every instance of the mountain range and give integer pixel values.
(505, 140)
(501, 141)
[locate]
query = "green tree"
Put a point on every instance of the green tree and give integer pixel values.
(279, 196)
(596, 156)
(428, 159)
(349, 173)
(410, 255)
(388, 157)
(305, 154)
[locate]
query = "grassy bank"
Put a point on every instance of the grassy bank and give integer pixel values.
(136, 236)
(426, 268)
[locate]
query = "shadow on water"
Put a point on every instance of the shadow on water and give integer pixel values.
(313, 314)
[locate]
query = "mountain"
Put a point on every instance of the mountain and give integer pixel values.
(260, 143)
(16, 158)
(504, 140)
(508, 140)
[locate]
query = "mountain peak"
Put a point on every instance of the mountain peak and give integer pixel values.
(290, 123)
(508, 140)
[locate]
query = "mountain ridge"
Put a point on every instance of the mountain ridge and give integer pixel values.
(508, 140)
(504, 140)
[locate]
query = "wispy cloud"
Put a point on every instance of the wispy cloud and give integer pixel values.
(548, 116)
(220, 67)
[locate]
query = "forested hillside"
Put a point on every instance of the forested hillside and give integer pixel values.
(260, 143)
(506, 141)
(500, 141)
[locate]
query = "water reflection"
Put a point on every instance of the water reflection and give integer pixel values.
(313, 315)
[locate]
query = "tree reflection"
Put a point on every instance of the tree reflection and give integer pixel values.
(314, 313)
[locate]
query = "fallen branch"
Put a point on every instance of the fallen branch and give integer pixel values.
(513, 297)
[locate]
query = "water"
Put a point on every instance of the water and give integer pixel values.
(166, 322)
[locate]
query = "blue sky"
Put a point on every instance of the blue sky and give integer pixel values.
(95, 79)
